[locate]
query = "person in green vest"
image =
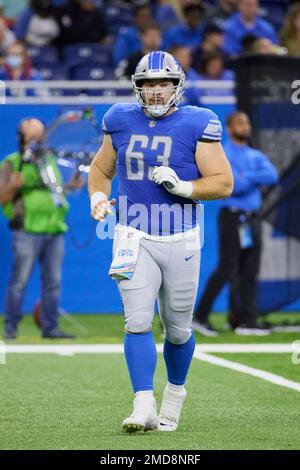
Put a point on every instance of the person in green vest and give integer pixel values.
(36, 212)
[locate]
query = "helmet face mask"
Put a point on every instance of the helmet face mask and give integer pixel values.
(156, 68)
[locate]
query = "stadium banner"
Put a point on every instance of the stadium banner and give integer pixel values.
(268, 90)
(86, 286)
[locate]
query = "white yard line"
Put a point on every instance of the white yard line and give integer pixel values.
(200, 354)
(246, 348)
(64, 349)
(236, 366)
(70, 349)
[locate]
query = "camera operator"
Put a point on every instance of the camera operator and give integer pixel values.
(36, 216)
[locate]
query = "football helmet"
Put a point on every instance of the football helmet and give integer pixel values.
(158, 65)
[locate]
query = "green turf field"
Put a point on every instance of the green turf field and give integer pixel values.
(101, 328)
(50, 401)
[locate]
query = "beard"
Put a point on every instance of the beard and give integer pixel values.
(241, 137)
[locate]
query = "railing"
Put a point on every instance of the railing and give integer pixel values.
(47, 92)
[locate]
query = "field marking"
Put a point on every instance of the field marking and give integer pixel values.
(238, 367)
(71, 349)
(200, 354)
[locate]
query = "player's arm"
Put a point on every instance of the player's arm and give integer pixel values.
(216, 181)
(102, 171)
(217, 178)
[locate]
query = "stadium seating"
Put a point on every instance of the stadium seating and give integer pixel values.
(92, 72)
(54, 72)
(42, 55)
(87, 52)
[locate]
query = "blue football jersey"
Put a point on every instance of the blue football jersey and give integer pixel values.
(141, 143)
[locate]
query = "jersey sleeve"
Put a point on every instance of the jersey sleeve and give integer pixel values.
(109, 121)
(209, 127)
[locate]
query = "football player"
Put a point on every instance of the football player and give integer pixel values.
(166, 159)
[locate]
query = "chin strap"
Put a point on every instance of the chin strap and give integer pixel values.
(157, 110)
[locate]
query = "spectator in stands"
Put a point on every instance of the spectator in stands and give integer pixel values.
(246, 21)
(213, 69)
(165, 14)
(290, 33)
(7, 37)
(150, 41)
(81, 21)
(265, 46)
(213, 40)
(11, 9)
(248, 42)
(192, 93)
(253, 45)
(129, 39)
(37, 25)
(17, 64)
(188, 33)
(37, 220)
(184, 56)
(220, 12)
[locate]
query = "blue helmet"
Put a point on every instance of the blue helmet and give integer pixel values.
(158, 65)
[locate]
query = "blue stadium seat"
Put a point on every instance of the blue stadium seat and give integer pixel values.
(42, 55)
(54, 72)
(57, 72)
(77, 54)
(97, 73)
(92, 72)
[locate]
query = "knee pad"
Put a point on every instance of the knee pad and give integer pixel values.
(138, 322)
(176, 335)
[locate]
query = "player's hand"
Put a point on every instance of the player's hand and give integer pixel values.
(168, 177)
(101, 206)
(15, 181)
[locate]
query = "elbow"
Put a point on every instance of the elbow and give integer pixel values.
(275, 178)
(272, 180)
(228, 186)
(228, 191)
(272, 177)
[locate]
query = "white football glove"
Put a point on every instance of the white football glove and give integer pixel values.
(101, 206)
(168, 177)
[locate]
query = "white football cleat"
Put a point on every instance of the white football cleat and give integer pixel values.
(144, 416)
(171, 406)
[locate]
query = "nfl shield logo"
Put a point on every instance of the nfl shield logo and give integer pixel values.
(152, 123)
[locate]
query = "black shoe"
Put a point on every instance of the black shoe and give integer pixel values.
(232, 322)
(204, 328)
(252, 330)
(58, 334)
